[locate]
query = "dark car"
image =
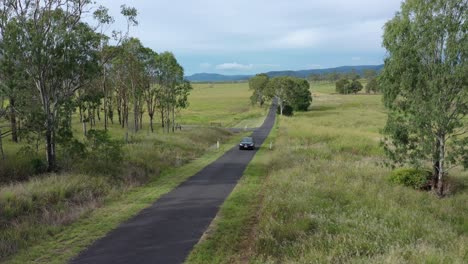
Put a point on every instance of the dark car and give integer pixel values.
(247, 143)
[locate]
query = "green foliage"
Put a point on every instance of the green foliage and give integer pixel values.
(344, 86)
(354, 87)
(415, 178)
(259, 85)
(290, 91)
(287, 110)
(372, 86)
(103, 155)
(341, 86)
(301, 98)
(425, 85)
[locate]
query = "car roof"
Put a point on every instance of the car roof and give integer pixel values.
(247, 139)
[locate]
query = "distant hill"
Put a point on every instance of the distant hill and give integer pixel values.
(213, 77)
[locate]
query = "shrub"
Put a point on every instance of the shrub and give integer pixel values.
(415, 178)
(103, 155)
(21, 166)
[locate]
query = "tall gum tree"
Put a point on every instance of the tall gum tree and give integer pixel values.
(60, 52)
(425, 86)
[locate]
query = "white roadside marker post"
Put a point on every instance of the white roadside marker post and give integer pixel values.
(217, 145)
(271, 145)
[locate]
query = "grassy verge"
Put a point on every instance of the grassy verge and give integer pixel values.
(60, 244)
(226, 240)
(327, 199)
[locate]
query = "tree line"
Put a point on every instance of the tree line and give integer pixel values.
(292, 94)
(333, 77)
(53, 64)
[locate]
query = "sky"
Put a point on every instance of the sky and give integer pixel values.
(252, 36)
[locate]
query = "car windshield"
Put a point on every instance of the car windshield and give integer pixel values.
(247, 140)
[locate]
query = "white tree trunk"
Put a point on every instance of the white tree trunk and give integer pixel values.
(441, 165)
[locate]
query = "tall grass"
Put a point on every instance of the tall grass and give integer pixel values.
(42, 206)
(326, 198)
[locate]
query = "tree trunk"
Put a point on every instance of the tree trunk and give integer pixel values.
(440, 188)
(84, 129)
(119, 113)
(105, 112)
(99, 112)
(151, 122)
(1, 145)
(435, 175)
(50, 145)
(173, 119)
(162, 118)
(81, 114)
(141, 119)
(90, 118)
(14, 130)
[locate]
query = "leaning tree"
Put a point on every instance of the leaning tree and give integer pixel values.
(425, 86)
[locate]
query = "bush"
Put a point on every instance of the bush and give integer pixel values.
(21, 166)
(415, 178)
(103, 155)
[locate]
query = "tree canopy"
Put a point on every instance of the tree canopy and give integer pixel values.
(54, 62)
(425, 86)
(288, 91)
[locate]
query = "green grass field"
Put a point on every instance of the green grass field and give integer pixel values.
(321, 196)
(225, 103)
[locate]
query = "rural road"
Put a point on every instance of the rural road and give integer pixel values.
(167, 231)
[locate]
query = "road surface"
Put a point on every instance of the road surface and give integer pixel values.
(167, 231)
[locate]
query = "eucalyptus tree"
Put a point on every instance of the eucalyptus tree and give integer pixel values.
(171, 74)
(290, 91)
(278, 88)
(107, 52)
(300, 95)
(425, 86)
(372, 86)
(259, 84)
(10, 71)
(152, 88)
(59, 50)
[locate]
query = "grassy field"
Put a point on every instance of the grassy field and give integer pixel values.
(321, 197)
(225, 103)
(71, 204)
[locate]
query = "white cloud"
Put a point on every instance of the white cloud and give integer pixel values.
(356, 58)
(234, 66)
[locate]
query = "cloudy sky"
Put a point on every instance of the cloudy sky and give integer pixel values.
(251, 36)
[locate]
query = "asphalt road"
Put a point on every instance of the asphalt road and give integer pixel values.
(167, 231)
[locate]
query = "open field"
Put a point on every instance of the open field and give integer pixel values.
(321, 197)
(225, 103)
(66, 205)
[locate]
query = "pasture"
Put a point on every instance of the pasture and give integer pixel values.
(322, 196)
